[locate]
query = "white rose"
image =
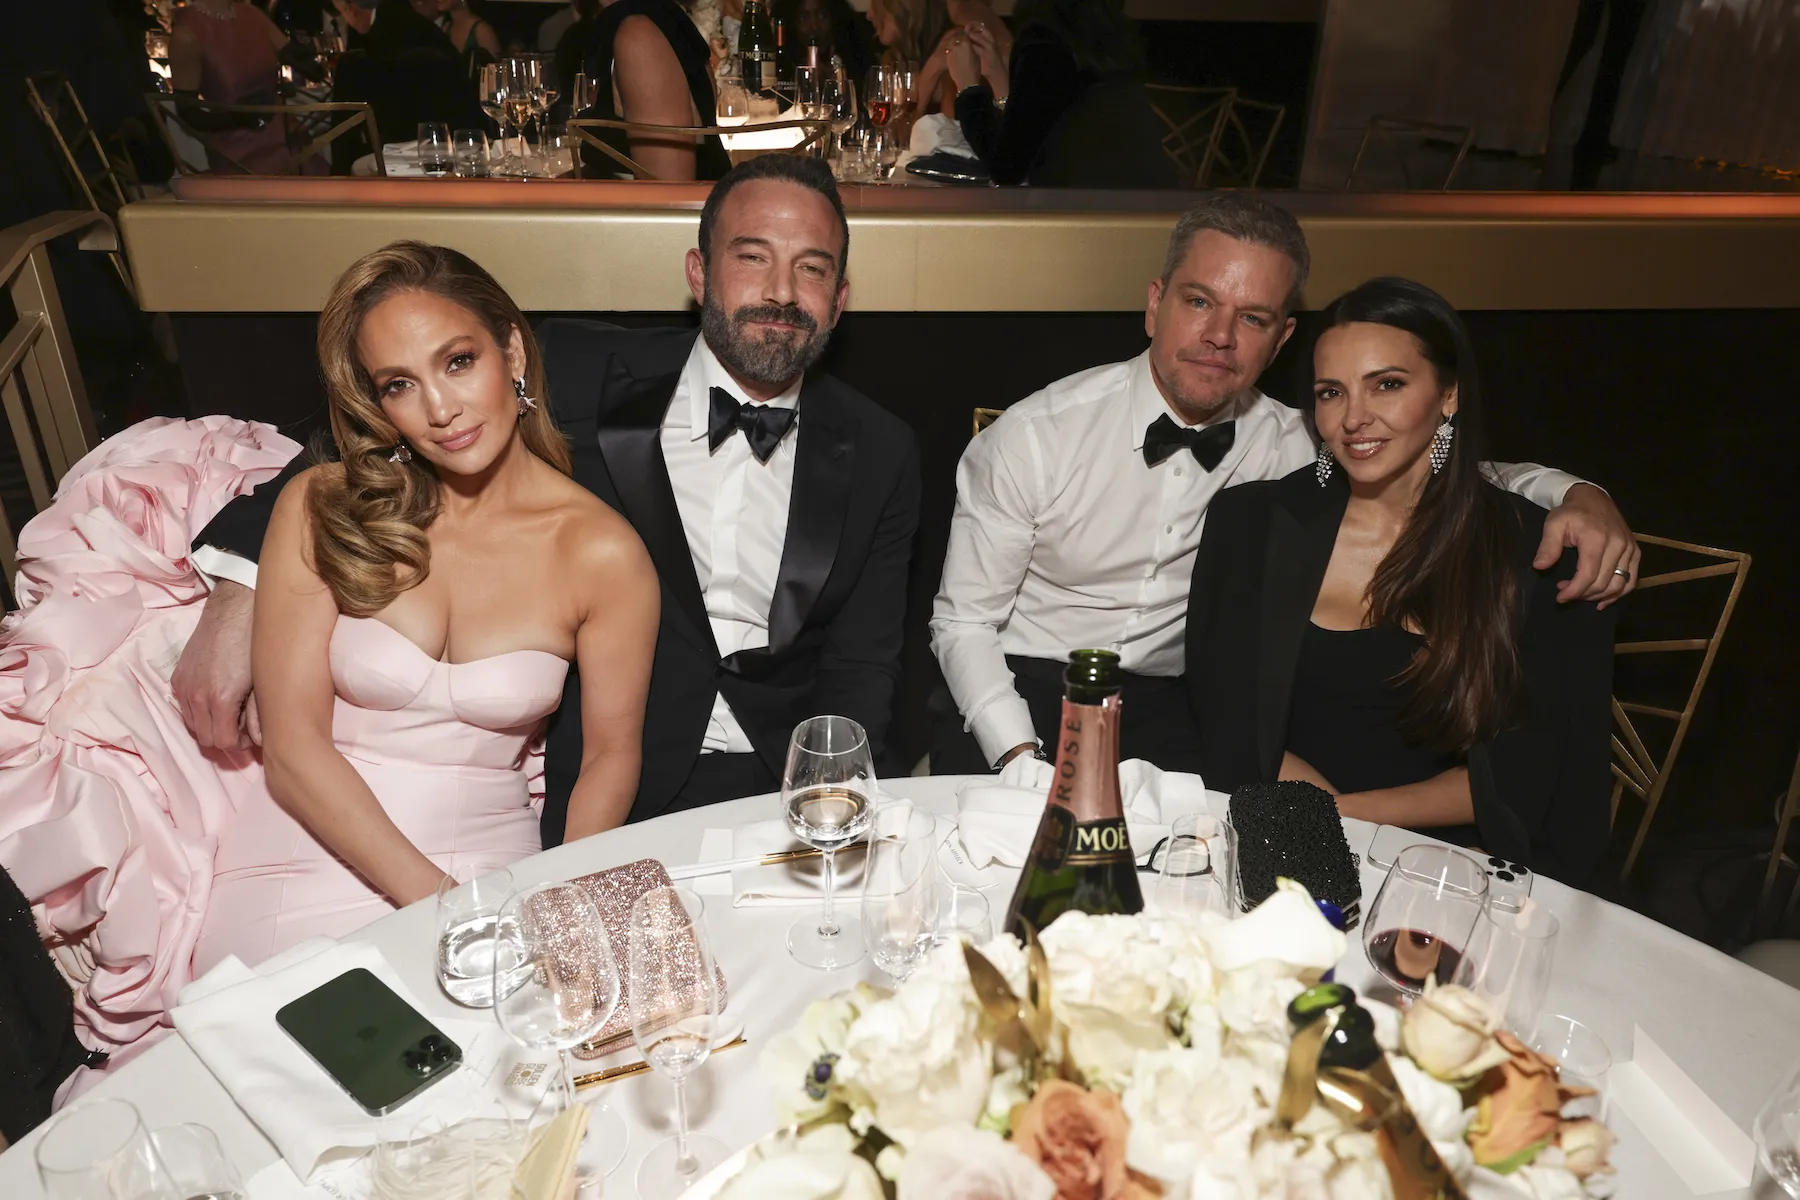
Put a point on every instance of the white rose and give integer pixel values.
(820, 1165)
(1437, 1105)
(1187, 1106)
(791, 1060)
(917, 1059)
(1449, 1031)
(970, 1164)
(1287, 927)
(1585, 1145)
(1360, 1179)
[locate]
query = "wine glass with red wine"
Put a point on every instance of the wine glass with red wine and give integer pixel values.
(1424, 915)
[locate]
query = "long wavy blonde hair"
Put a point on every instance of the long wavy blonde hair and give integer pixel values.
(369, 517)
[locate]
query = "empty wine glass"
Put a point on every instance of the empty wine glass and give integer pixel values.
(1509, 959)
(1198, 867)
(1423, 915)
(674, 1018)
(962, 915)
(492, 89)
(583, 94)
(471, 146)
(468, 908)
(79, 1153)
(899, 900)
(828, 797)
(1582, 1059)
(555, 986)
(1777, 1134)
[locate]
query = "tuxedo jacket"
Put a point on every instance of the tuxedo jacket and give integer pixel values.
(836, 620)
(1540, 789)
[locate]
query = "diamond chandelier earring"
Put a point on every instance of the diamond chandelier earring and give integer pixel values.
(525, 401)
(402, 453)
(1440, 445)
(1322, 468)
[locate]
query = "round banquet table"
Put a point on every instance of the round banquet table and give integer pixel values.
(1733, 1030)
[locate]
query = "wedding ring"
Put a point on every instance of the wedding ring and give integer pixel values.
(1621, 573)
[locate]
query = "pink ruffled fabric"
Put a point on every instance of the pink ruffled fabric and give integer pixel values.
(109, 810)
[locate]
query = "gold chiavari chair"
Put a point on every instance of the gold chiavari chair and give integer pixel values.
(1462, 135)
(109, 179)
(1790, 810)
(166, 112)
(1636, 767)
(985, 417)
(584, 128)
(1194, 121)
(1249, 133)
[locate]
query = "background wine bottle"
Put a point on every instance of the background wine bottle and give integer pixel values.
(756, 48)
(1081, 858)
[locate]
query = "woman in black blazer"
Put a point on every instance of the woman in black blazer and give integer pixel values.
(1373, 624)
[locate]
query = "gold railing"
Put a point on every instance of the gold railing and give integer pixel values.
(52, 424)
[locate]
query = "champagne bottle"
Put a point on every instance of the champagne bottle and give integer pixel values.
(1081, 858)
(756, 48)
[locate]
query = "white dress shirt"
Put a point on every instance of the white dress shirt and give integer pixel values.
(1064, 539)
(735, 513)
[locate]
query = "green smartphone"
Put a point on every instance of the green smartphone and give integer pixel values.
(378, 1047)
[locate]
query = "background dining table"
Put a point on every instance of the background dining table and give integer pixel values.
(1733, 1031)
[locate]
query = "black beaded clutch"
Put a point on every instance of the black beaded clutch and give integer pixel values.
(1292, 830)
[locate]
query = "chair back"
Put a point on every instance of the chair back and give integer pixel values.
(106, 180)
(1249, 133)
(587, 129)
(409, 87)
(1388, 128)
(1778, 856)
(1193, 121)
(194, 153)
(1647, 737)
(985, 417)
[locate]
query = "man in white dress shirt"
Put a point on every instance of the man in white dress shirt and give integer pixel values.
(1079, 511)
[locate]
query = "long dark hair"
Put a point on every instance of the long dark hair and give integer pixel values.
(1097, 32)
(1450, 573)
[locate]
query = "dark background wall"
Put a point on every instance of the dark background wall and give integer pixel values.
(1686, 417)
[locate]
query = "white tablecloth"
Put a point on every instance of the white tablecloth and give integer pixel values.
(1734, 1031)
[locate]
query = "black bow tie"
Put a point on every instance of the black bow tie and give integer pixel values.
(763, 426)
(1210, 445)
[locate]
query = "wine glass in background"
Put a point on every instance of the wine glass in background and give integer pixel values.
(435, 156)
(330, 48)
(583, 94)
(900, 893)
(808, 82)
(1777, 1134)
(1198, 867)
(543, 99)
(471, 148)
(1423, 915)
(886, 150)
(878, 95)
(468, 903)
(962, 915)
(492, 85)
(555, 986)
(1508, 961)
(522, 75)
(828, 797)
(185, 1163)
(79, 1153)
(674, 1018)
(837, 104)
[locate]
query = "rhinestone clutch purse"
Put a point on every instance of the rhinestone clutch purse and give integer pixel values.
(614, 891)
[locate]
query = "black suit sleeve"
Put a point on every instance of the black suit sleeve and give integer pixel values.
(1044, 83)
(859, 664)
(1541, 790)
(240, 525)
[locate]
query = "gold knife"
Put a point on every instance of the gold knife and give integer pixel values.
(627, 1070)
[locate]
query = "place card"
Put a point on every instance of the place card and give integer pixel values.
(1694, 1136)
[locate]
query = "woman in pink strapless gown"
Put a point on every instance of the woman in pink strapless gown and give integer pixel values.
(397, 742)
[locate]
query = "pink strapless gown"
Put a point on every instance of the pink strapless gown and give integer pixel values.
(442, 746)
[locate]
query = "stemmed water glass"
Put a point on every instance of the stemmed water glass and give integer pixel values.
(900, 890)
(675, 1014)
(1423, 915)
(523, 75)
(583, 94)
(555, 986)
(492, 85)
(1777, 1135)
(828, 797)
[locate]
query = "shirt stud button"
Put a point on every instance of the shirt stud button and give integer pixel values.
(1168, 529)
(1179, 471)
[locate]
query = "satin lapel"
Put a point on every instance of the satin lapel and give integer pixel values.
(824, 469)
(1302, 533)
(630, 439)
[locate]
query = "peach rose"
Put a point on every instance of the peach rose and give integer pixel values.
(1078, 1138)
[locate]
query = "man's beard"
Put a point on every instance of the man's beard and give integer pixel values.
(766, 358)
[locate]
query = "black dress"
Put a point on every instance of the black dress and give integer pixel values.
(1064, 126)
(691, 50)
(1344, 719)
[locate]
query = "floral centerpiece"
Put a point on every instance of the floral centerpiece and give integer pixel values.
(1139, 1056)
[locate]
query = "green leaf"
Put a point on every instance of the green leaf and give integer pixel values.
(1523, 1158)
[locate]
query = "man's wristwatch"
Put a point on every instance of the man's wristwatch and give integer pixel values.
(1042, 753)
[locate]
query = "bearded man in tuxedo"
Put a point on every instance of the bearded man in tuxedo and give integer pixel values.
(778, 504)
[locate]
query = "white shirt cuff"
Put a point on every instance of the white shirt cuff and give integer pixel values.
(1001, 724)
(215, 564)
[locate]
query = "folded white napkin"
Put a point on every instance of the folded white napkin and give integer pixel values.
(228, 1017)
(998, 819)
(939, 134)
(802, 882)
(401, 158)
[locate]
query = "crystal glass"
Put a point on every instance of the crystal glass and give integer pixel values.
(1777, 1134)
(881, 95)
(468, 908)
(886, 152)
(435, 158)
(78, 1154)
(1198, 867)
(828, 798)
(1423, 915)
(962, 915)
(471, 149)
(523, 79)
(900, 889)
(329, 47)
(675, 1017)
(185, 1163)
(555, 986)
(808, 84)
(1582, 1059)
(1509, 959)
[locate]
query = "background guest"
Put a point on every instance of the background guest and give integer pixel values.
(651, 66)
(908, 31)
(475, 41)
(571, 48)
(1067, 108)
(967, 17)
(228, 52)
(1374, 624)
(834, 27)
